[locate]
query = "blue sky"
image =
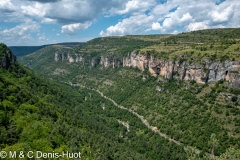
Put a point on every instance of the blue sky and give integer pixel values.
(38, 22)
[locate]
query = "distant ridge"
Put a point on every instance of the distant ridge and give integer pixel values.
(25, 50)
(70, 43)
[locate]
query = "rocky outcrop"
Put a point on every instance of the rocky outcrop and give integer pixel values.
(94, 62)
(136, 60)
(67, 56)
(193, 72)
(70, 58)
(6, 57)
(207, 71)
(107, 62)
(229, 96)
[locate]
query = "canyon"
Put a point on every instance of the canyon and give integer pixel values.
(181, 69)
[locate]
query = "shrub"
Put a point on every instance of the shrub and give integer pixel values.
(234, 98)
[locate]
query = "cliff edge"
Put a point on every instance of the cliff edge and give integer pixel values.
(180, 68)
(6, 57)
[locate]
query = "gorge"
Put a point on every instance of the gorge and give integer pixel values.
(202, 72)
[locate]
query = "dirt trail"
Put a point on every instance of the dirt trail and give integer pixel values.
(144, 121)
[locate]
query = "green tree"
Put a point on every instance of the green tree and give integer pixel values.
(213, 143)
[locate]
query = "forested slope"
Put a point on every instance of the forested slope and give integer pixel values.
(37, 114)
(184, 110)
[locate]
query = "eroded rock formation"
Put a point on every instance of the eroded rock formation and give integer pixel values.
(66, 56)
(206, 71)
(6, 57)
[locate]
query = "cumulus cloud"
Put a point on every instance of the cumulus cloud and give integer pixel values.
(136, 6)
(63, 12)
(223, 15)
(35, 10)
(6, 6)
(177, 15)
(21, 32)
(133, 24)
(186, 18)
(68, 11)
(170, 23)
(74, 28)
(156, 26)
(136, 16)
(197, 26)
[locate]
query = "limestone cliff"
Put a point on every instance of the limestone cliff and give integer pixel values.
(6, 57)
(67, 56)
(107, 62)
(206, 71)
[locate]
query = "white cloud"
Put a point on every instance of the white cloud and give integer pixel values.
(131, 25)
(193, 15)
(9, 11)
(137, 6)
(186, 18)
(137, 16)
(48, 20)
(197, 26)
(222, 15)
(63, 12)
(74, 28)
(42, 37)
(162, 10)
(35, 10)
(6, 6)
(170, 23)
(68, 11)
(156, 26)
(175, 16)
(20, 32)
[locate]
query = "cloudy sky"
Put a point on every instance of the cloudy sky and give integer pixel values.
(37, 22)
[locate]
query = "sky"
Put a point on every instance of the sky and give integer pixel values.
(38, 22)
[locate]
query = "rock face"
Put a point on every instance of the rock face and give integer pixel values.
(94, 63)
(6, 57)
(107, 62)
(66, 56)
(205, 72)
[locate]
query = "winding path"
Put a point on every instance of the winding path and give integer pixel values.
(144, 121)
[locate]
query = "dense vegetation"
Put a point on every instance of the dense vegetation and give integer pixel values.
(120, 45)
(214, 44)
(3, 49)
(210, 44)
(37, 114)
(186, 111)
